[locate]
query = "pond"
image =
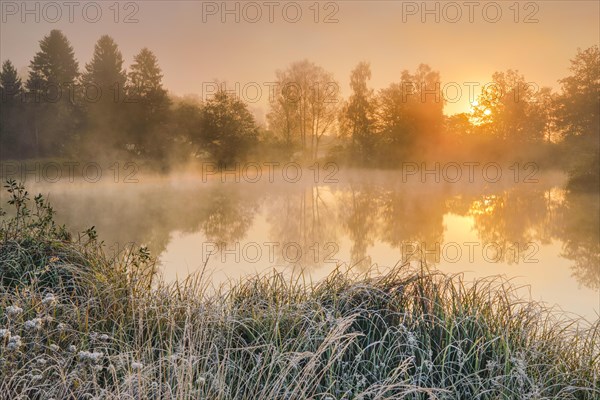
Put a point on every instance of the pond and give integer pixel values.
(534, 232)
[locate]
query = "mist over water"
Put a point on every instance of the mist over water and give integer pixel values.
(234, 225)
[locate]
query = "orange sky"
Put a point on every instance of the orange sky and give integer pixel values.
(194, 46)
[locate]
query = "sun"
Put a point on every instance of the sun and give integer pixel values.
(487, 111)
(473, 105)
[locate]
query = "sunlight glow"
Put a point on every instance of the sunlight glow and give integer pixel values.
(484, 206)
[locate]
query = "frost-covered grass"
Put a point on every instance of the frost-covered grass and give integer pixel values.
(77, 324)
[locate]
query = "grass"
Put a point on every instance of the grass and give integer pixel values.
(77, 324)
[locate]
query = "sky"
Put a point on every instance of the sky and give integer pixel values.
(244, 43)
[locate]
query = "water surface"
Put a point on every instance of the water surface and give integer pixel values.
(537, 233)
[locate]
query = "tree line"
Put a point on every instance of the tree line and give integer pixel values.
(62, 111)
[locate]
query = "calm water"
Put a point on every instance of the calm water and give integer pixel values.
(536, 233)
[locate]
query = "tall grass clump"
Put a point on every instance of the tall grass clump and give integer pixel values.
(78, 324)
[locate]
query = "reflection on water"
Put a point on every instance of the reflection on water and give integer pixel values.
(539, 231)
(578, 230)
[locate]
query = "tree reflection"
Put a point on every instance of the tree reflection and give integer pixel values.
(577, 227)
(303, 225)
(359, 217)
(514, 220)
(413, 221)
(227, 216)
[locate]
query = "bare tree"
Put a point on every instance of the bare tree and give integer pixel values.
(305, 106)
